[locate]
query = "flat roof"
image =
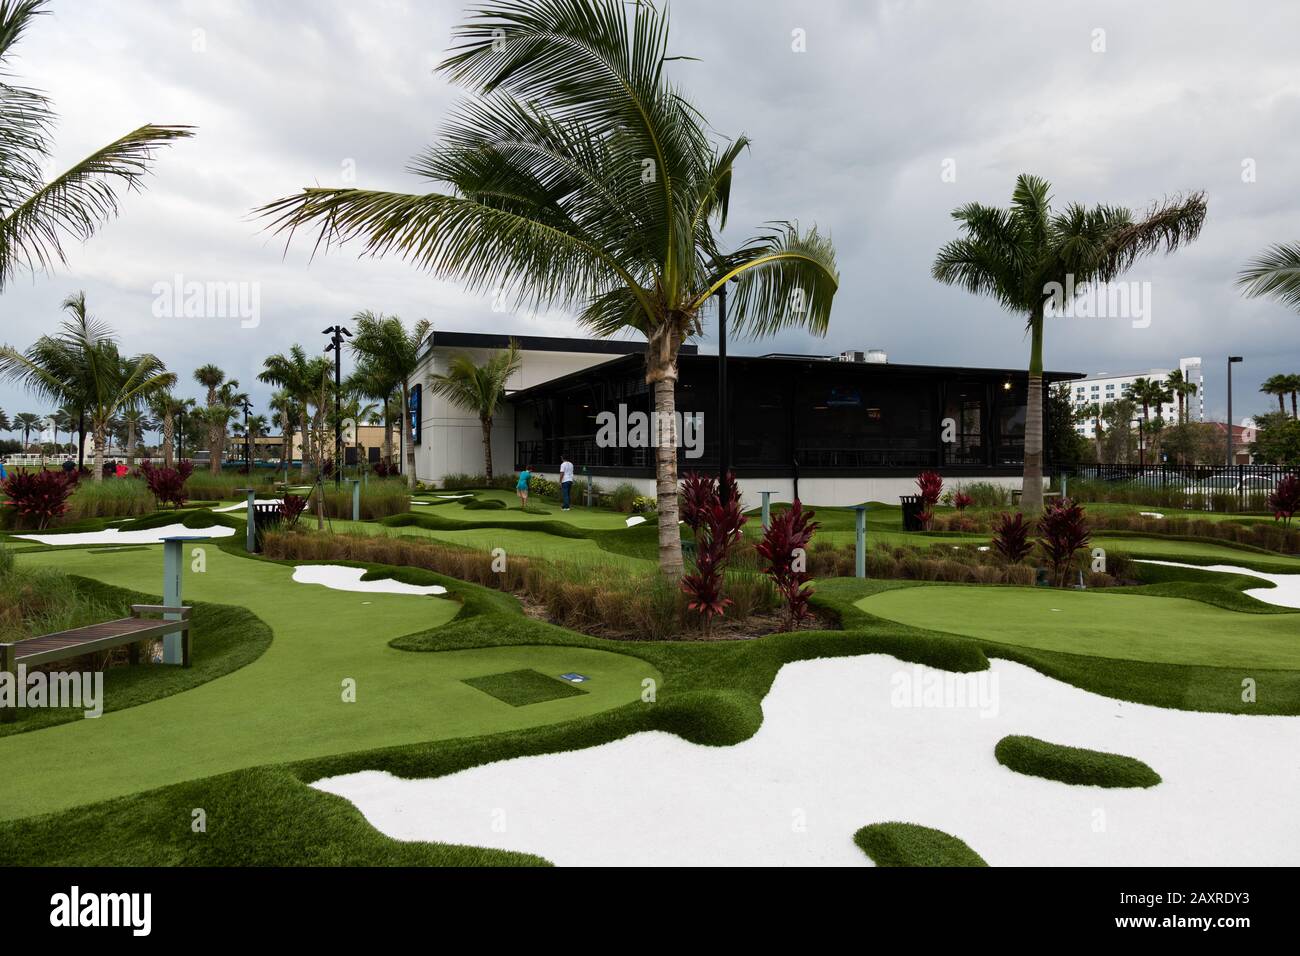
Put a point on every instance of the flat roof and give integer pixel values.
(538, 343)
(772, 360)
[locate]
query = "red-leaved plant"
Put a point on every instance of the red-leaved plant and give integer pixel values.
(39, 496)
(1062, 533)
(167, 485)
(961, 501)
(1011, 537)
(785, 548)
(291, 507)
(930, 486)
(717, 529)
(1284, 500)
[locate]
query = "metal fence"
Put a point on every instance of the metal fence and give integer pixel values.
(1241, 480)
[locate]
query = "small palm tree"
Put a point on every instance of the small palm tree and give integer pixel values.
(299, 377)
(28, 422)
(36, 216)
(1025, 255)
(1179, 386)
(383, 343)
(136, 422)
(1293, 387)
(368, 380)
(84, 361)
(1091, 412)
(581, 177)
(1278, 386)
(165, 407)
(479, 389)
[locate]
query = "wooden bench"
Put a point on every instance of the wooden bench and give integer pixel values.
(140, 626)
(1047, 495)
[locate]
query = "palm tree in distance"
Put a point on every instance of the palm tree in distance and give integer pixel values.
(1182, 389)
(1091, 412)
(1277, 386)
(383, 344)
(1026, 255)
(580, 177)
(299, 377)
(479, 389)
(37, 216)
(211, 377)
(28, 422)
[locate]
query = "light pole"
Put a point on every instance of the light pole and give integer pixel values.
(247, 406)
(336, 333)
(1142, 457)
(180, 436)
(1232, 360)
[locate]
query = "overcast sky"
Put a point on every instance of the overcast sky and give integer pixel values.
(1112, 102)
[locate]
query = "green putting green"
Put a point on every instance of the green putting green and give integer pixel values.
(288, 704)
(1122, 626)
(579, 515)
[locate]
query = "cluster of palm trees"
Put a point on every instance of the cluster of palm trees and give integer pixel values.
(1280, 386)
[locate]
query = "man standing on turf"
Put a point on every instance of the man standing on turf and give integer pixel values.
(566, 480)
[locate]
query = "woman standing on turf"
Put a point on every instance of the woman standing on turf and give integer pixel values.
(521, 489)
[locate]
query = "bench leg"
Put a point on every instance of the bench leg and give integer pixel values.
(185, 647)
(7, 656)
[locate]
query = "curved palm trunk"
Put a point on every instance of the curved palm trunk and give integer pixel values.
(1031, 485)
(98, 440)
(487, 448)
(409, 430)
(130, 445)
(661, 375)
(304, 426)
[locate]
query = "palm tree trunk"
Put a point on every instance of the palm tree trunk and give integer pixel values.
(130, 445)
(305, 427)
(409, 430)
(1096, 434)
(388, 432)
(1031, 485)
(661, 375)
(98, 439)
(1294, 413)
(487, 448)
(168, 437)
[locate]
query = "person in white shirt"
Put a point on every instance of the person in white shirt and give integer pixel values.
(566, 480)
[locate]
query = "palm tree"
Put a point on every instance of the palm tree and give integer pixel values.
(369, 380)
(478, 389)
(28, 422)
(166, 406)
(84, 361)
(286, 412)
(4, 422)
(1025, 255)
(1274, 273)
(299, 377)
(580, 177)
(1293, 387)
(37, 216)
(136, 422)
(1182, 389)
(1277, 386)
(211, 377)
(383, 343)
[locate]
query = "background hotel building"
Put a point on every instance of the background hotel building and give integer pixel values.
(1105, 387)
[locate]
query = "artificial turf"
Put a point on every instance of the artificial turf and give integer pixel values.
(908, 844)
(1073, 765)
(523, 687)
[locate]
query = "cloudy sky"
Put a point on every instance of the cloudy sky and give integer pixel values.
(856, 111)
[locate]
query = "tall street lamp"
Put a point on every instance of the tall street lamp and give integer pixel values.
(336, 334)
(1232, 360)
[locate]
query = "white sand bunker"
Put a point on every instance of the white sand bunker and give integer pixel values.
(342, 578)
(454, 496)
(635, 520)
(243, 505)
(839, 749)
(117, 536)
(1151, 514)
(1284, 593)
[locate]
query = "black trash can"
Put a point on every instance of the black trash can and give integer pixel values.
(913, 505)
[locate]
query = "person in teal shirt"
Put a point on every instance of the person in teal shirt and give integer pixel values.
(521, 489)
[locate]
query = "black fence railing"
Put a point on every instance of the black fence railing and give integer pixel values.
(1190, 479)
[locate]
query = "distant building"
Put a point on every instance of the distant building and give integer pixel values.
(1106, 387)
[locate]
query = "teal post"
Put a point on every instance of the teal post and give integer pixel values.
(860, 522)
(356, 499)
(767, 509)
(250, 533)
(172, 569)
(586, 473)
(1065, 486)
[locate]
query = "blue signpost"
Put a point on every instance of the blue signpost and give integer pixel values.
(767, 509)
(173, 568)
(356, 499)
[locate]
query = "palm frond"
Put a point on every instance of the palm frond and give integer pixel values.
(1274, 273)
(785, 279)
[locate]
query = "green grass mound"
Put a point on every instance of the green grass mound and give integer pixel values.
(909, 844)
(523, 687)
(1075, 765)
(484, 504)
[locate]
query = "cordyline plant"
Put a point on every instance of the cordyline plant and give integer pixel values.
(785, 548)
(1284, 501)
(291, 507)
(1011, 537)
(1062, 533)
(167, 485)
(39, 496)
(717, 529)
(930, 486)
(961, 501)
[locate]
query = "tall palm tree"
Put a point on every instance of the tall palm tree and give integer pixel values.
(83, 360)
(383, 343)
(211, 377)
(1022, 254)
(165, 406)
(1277, 386)
(135, 422)
(36, 216)
(285, 409)
(369, 380)
(579, 176)
(28, 422)
(1181, 388)
(299, 377)
(4, 422)
(1293, 387)
(479, 389)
